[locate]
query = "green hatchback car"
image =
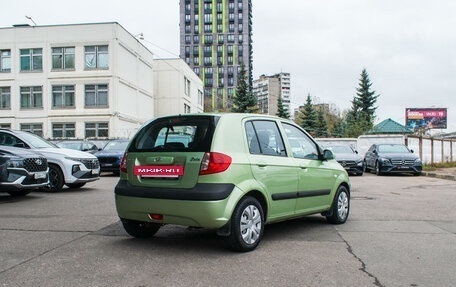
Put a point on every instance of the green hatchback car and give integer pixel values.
(234, 173)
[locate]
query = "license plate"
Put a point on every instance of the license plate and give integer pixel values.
(107, 164)
(39, 175)
(159, 170)
(402, 167)
(94, 171)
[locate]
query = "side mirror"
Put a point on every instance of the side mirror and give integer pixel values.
(328, 154)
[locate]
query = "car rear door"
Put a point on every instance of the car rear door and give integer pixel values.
(271, 167)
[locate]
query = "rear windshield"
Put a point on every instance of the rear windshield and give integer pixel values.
(182, 133)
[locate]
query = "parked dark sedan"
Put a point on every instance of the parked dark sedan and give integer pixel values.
(111, 155)
(348, 158)
(392, 158)
(22, 170)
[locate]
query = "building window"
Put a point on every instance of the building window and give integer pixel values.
(231, 28)
(96, 57)
(231, 17)
(96, 130)
(5, 98)
(208, 18)
(196, 60)
(208, 28)
(96, 96)
(5, 126)
(207, 61)
(200, 98)
(64, 130)
(196, 39)
(240, 28)
(230, 38)
(63, 96)
(220, 38)
(63, 58)
(196, 70)
(187, 28)
(240, 38)
(186, 109)
(240, 16)
(187, 39)
(31, 97)
(31, 59)
(186, 86)
(5, 60)
(208, 39)
(34, 128)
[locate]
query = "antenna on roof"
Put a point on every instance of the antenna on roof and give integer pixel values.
(30, 18)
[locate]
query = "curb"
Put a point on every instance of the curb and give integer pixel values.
(439, 175)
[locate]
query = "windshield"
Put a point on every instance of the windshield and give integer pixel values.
(393, 148)
(116, 146)
(340, 149)
(36, 141)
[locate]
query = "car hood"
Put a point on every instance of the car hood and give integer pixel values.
(51, 152)
(409, 156)
(348, 156)
(18, 151)
(109, 153)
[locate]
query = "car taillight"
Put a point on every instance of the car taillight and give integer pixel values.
(123, 163)
(214, 162)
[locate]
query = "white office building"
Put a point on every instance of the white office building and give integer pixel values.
(80, 81)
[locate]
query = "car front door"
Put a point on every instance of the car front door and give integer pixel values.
(316, 177)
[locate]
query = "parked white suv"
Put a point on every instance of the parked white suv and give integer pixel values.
(66, 166)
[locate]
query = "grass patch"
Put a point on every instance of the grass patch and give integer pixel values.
(434, 166)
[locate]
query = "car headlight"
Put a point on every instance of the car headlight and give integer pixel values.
(385, 160)
(16, 163)
(418, 161)
(359, 162)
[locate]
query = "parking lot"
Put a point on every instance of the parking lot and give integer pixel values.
(401, 232)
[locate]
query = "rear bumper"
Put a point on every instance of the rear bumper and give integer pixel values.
(200, 192)
(205, 205)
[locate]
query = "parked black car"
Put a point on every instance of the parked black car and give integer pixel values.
(22, 171)
(111, 155)
(392, 158)
(348, 158)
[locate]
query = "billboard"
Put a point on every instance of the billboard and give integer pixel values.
(432, 118)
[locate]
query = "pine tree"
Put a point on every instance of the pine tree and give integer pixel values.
(361, 117)
(321, 125)
(244, 100)
(308, 117)
(281, 111)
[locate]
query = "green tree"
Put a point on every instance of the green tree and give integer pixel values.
(360, 118)
(244, 100)
(281, 111)
(321, 125)
(308, 116)
(338, 130)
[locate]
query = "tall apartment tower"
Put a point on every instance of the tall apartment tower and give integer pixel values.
(268, 89)
(215, 41)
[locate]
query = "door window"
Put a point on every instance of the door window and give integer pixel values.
(264, 138)
(302, 145)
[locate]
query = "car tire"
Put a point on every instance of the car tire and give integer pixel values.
(377, 168)
(340, 207)
(140, 229)
(247, 225)
(75, 185)
(56, 179)
(366, 169)
(19, 192)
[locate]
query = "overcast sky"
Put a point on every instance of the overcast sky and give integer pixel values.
(408, 47)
